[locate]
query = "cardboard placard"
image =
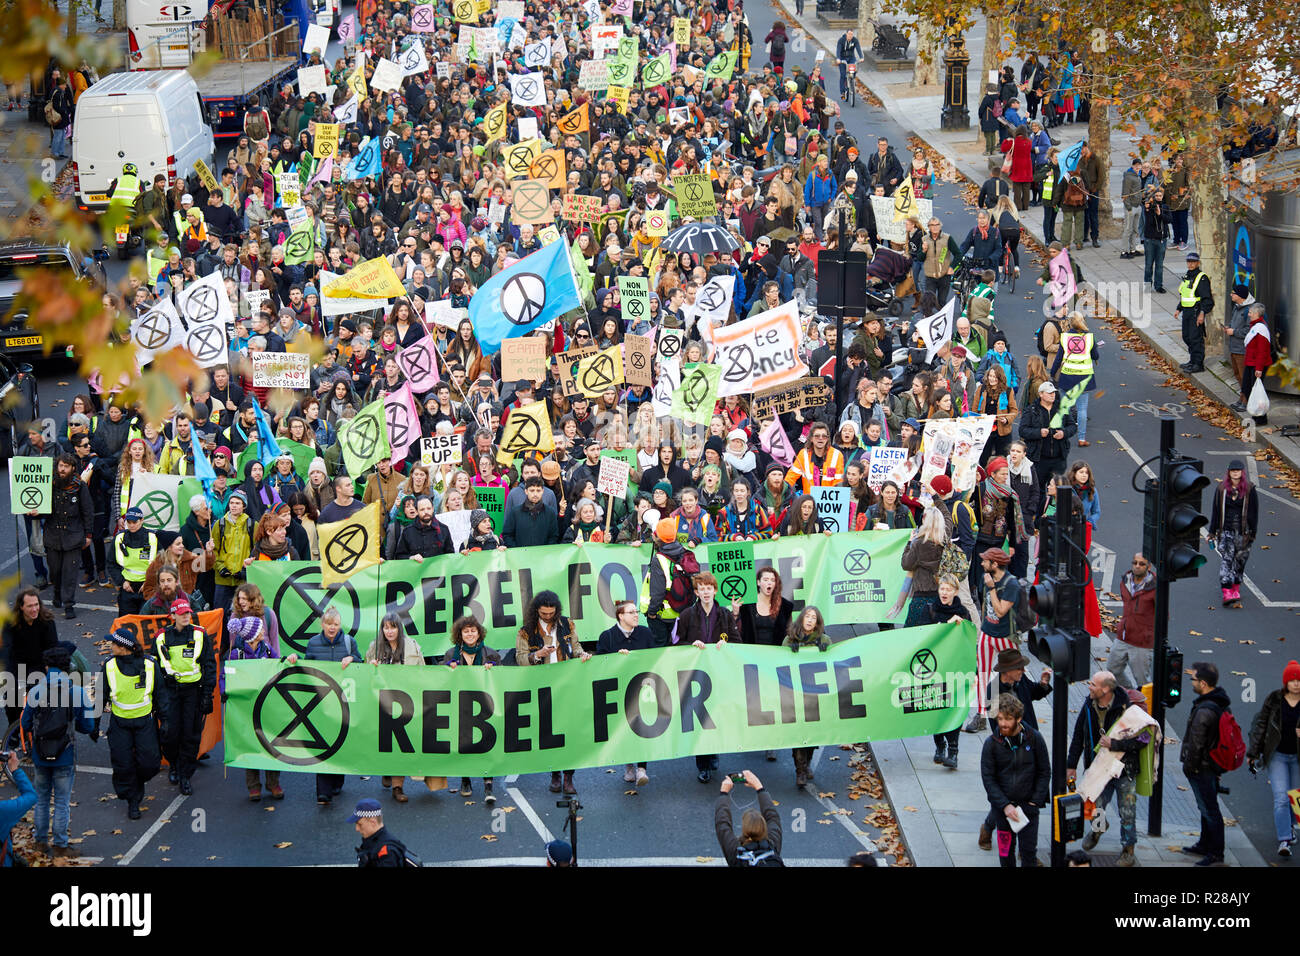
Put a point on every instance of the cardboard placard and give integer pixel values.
(810, 392)
(281, 370)
(612, 479)
(532, 201)
(31, 484)
(638, 359)
(732, 563)
(567, 361)
(577, 208)
(523, 357)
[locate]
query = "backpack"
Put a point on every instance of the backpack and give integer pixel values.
(1074, 195)
(754, 856)
(954, 560)
(679, 594)
(1038, 339)
(51, 733)
(52, 116)
(408, 858)
(256, 127)
(1230, 752)
(1024, 617)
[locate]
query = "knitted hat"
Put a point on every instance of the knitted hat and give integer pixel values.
(476, 518)
(245, 629)
(666, 530)
(996, 463)
(240, 495)
(310, 290)
(123, 637)
(559, 853)
(317, 464)
(1290, 672)
(663, 486)
(941, 485)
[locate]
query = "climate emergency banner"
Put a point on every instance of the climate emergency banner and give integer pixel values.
(852, 577)
(647, 705)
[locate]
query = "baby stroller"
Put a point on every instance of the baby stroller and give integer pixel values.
(887, 269)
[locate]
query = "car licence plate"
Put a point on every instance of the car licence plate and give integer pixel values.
(23, 340)
(97, 197)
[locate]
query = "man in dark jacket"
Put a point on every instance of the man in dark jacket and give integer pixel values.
(378, 847)
(1106, 704)
(67, 531)
(706, 622)
(1202, 736)
(1046, 438)
(1017, 775)
(532, 521)
(1135, 636)
(424, 537)
(28, 635)
(1013, 680)
(883, 168)
(1091, 172)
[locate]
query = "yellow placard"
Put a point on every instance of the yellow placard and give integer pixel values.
(682, 32)
(349, 546)
(598, 372)
(327, 140)
(465, 11)
(496, 122)
(357, 82)
(905, 204)
(205, 176)
(618, 96)
(372, 279)
(527, 429)
(549, 235)
(656, 223)
(519, 158)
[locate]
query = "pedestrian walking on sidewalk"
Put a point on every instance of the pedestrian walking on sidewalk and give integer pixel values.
(1131, 741)
(1013, 680)
(1258, 356)
(1234, 523)
(1131, 193)
(1202, 736)
(1274, 740)
(1016, 773)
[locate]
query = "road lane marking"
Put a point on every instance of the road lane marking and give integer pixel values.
(157, 825)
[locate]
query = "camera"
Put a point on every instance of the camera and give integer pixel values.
(737, 777)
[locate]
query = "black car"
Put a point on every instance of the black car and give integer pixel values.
(16, 412)
(17, 255)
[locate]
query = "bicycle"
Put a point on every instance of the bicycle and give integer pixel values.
(1007, 268)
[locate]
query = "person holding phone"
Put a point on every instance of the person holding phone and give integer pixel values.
(759, 843)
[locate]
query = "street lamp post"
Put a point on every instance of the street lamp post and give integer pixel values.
(956, 106)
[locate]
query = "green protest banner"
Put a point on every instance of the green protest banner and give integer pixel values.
(493, 501)
(852, 577)
(647, 705)
(732, 563)
(31, 483)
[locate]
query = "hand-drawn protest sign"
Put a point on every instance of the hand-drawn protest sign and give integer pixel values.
(832, 506)
(523, 357)
(638, 359)
(811, 392)
(695, 197)
(281, 370)
(440, 450)
(612, 479)
(532, 201)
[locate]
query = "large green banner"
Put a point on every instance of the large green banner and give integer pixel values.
(852, 577)
(613, 709)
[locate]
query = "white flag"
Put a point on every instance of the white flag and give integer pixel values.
(415, 60)
(936, 330)
(156, 331)
(712, 301)
(346, 114)
(528, 89)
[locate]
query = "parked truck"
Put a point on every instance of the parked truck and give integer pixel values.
(258, 44)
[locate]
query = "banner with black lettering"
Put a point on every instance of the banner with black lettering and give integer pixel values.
(852, 577)
(613, 709)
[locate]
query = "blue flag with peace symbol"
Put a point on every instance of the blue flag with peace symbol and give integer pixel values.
(528, 294)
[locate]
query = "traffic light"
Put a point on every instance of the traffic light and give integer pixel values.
(1058, 639)
(1181, 484)
(1174, 676)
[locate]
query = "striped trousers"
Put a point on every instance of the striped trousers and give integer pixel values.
(986, 656)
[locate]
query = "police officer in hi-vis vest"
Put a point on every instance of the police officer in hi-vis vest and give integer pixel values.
(1195, 302)
(131, 680)
(189, 674)
(133, 550)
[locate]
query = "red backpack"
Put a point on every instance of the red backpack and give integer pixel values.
(680, 594)
(1230, 752)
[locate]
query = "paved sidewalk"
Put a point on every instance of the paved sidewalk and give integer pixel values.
(1151, 316)
(939, 811)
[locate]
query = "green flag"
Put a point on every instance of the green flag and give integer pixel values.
(302, 456)
(656, 71)
(622, 70)
(300, 247)
(697, 394)
(1067, 402)
(365, 438)
(722, 65)
(580, 269)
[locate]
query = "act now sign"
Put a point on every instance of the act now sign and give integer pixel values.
(617, 708)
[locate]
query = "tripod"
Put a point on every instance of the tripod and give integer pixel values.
(571, 823)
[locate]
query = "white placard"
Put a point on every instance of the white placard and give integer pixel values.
(440, 450)
(441, 312)
(527, 127)
(414, 60)
(317, 38)
(387, 77)
(255, 298)
(613, 477)
(528, 89)
(496, 212)
(346, 114)
(510, 10)
(442, 70)
(295, 215)
(457, 524)
(883, 461)
(311, 79)
(537, 55)
(331, 306)
(281, 369)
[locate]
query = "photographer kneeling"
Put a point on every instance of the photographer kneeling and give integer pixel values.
(760, 833)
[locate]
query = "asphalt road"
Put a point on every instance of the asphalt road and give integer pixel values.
(671, 819)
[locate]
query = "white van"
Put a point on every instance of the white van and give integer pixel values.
(152, 119)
